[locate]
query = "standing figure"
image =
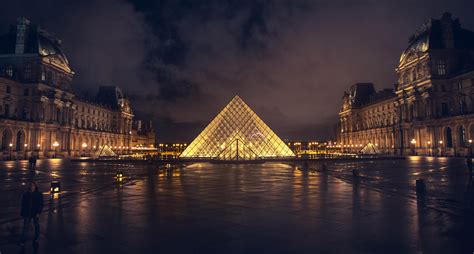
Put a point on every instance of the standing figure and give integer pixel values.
(31, 208)
(31, 163)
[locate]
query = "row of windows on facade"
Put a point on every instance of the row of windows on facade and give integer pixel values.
(7, 139)
(19, 144)
(95, 112)
(462, 137)
(48, 76)
(388, 120)
(448, 137)
(448, 88)
(418, 72)
(26, 92)
(61, 119)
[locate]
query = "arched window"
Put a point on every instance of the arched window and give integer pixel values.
(20, 138)
(6, 139)
(462, 136)
(448, 137)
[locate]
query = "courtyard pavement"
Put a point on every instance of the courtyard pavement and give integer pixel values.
(258, 208)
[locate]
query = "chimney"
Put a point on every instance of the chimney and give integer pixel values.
(21, 34)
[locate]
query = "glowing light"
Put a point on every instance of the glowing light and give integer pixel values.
(413, 141)
(55, 144)
(84, 145)
(10, 145)
(231, 125)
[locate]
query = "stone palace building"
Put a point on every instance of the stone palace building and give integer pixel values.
(430, 111)
(41, 115)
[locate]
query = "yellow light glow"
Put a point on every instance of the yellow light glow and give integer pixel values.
(242, 142)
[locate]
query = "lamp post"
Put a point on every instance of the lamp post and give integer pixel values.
(55, 145)
(11, 147)
(470, 147)
(441, 147)
(38, 146)
(84, 146)
(413, 142)
(25, 145)
(429, 147)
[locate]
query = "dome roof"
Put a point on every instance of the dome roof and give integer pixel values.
(50, 48)
(37, 42)
(420, 45)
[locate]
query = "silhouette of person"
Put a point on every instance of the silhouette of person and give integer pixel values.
(31, 208)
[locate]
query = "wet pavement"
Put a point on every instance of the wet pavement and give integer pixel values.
(257, 208)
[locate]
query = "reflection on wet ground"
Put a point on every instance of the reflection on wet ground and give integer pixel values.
(266, 208)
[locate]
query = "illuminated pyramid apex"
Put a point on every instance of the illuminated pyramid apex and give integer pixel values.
(237, 133)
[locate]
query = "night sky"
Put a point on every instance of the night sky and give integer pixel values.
(180, 62)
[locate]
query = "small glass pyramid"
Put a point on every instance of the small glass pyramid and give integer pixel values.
(237, 133)
(369, 149)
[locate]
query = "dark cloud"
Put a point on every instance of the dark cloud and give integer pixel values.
(181, 61)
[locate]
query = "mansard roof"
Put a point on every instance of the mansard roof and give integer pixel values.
(435, 34)
(37, 42)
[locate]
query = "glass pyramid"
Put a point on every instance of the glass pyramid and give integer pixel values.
(369, 149)
(237, 133)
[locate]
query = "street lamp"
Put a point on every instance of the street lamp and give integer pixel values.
(84, 146)
(11, 147)
(441, 147)
(413, 142)
(470, 147)
(25, 145)
(429, 147)
(55, 145)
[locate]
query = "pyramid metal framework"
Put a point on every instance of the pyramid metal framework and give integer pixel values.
(237, 133)
(369, 149)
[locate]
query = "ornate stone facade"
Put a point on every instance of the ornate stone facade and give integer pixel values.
(431, 111)
(40, 115)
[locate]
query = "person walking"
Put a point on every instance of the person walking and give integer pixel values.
(31, 208)
(31, 163)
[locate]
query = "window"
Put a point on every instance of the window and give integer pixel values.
(462, 106)
(459, 85)
(27, 73)
(26, 92)
(449, 138)
(9, 89)
(9, 71)
(6, 111)
(444, 109)
(441, 67)
(462, 136)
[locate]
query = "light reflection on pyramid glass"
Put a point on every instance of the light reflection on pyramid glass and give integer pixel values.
(237, 133)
